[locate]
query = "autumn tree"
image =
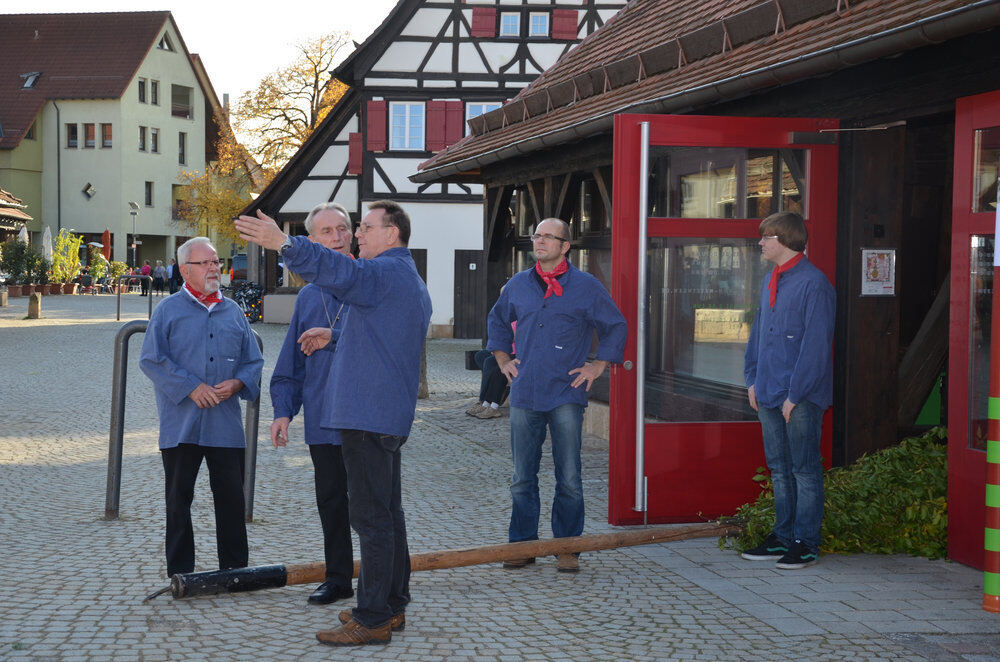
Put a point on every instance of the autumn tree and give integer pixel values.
(277, 117)
(210, 200)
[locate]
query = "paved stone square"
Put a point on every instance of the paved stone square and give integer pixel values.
(72, 584)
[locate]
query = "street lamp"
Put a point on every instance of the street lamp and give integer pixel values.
(134, 210)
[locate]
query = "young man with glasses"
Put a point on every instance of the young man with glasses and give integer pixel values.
(789, 379)
(299, 380)
(199, 352)
(380, 350)
(557, 308)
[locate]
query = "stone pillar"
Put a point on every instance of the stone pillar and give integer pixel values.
(3, 298)
(35, 306)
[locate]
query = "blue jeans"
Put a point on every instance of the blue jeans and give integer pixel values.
(527, 432)
(796, 465)
(372, 461)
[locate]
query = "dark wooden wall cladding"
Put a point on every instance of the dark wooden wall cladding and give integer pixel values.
(470, 297)
(866, 351)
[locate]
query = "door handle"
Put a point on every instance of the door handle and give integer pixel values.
(627, 365)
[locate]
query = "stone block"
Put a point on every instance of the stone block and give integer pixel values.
(35, 306)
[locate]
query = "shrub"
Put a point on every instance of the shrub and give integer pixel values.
(16, 261)
(66, 256)
(888, 502)
(117, 269)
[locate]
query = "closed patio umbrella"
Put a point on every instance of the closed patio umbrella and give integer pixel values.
(106, 240)
(47, 244)
(22, 235)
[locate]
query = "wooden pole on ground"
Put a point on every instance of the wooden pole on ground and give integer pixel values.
(274, 576)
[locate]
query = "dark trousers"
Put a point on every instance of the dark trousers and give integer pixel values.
(175, 284)
(158, 285)
(494, 383)
(144, 286)
(373, 480)
(331, 499)
(225, 473)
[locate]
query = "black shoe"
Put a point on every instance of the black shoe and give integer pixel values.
(799, 556)
(770, 550)
(326, 593)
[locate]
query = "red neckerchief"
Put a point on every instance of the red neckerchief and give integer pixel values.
(776, 274)
(205, 299)
(550, 278)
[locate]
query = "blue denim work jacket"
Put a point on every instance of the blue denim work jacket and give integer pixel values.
(554, 335)
(790, 351)
(187, 345)
(383, 337)
(299, 381)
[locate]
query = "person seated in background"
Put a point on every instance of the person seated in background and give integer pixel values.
(492, 387)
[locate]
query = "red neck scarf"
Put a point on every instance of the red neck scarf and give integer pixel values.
(776, 274)
(550, 278)
(205, 299)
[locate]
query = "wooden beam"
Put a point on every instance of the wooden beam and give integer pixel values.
(561, 200)
(924, 359)
(603, 188)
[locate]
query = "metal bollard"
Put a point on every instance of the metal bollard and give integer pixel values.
(149, 313)
(116, 435)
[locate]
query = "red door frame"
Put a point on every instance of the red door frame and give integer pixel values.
(966, 467)
(698, 468)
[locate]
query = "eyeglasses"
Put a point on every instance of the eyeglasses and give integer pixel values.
(207, 263)
(365, 227)
(546, 235)
(765, 237)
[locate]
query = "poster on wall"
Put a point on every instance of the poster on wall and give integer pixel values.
(878, 276)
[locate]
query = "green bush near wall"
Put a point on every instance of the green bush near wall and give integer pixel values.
(893, 501)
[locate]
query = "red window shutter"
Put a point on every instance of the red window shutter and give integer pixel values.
(377, 124)
(564, 23)
(484, 21)
(354, 154)
(454, 122)
(435, 126)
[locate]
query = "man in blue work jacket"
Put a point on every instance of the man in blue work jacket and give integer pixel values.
(299, 381)
(789, 378)
(371, 398)
(199, 352)
(557, 308)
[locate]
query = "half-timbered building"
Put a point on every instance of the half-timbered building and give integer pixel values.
(665, 138)
(414, 83)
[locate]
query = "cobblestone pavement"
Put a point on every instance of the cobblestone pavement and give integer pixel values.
(72, 584)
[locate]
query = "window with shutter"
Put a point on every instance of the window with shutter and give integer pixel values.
(376, 126)
(436, 126)
(564, 23)
(354, 154)
(484, 22)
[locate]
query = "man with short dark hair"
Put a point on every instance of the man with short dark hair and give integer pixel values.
(199, 352)
(789, 378)
(380, 350)
(300, 378)
(557, 308)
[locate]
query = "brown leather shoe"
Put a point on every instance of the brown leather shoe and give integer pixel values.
(514, 564)
(353, 633)
(567, 563)
(396, 623)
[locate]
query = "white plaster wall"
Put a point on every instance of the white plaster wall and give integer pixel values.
(546, 54)
(312, 192)
(440, 60)
(350, 127)
(401, 56)
(426, 22)
(333, 162)
(442, 229)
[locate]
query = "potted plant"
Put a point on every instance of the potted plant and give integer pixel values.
(99, 266)
(66, 259)
(13, 262)
(38, 272)
(116, 270)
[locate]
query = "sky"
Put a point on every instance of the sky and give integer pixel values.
(241, 42)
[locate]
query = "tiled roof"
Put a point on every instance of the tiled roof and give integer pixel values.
(657, 56)
(10, 207)
(79, 56)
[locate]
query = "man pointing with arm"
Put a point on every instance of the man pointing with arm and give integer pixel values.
(380, 347)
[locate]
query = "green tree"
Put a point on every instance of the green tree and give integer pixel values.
(277, 117)
(66, 256)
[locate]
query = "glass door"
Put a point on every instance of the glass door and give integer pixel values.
(691, 191)
(974, 216)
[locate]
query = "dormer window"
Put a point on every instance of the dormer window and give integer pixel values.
(30, 79)
(165, 44)
(510, 24)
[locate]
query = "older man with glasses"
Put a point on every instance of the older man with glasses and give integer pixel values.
(557, 308)
(380, 350)
(199, 352)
